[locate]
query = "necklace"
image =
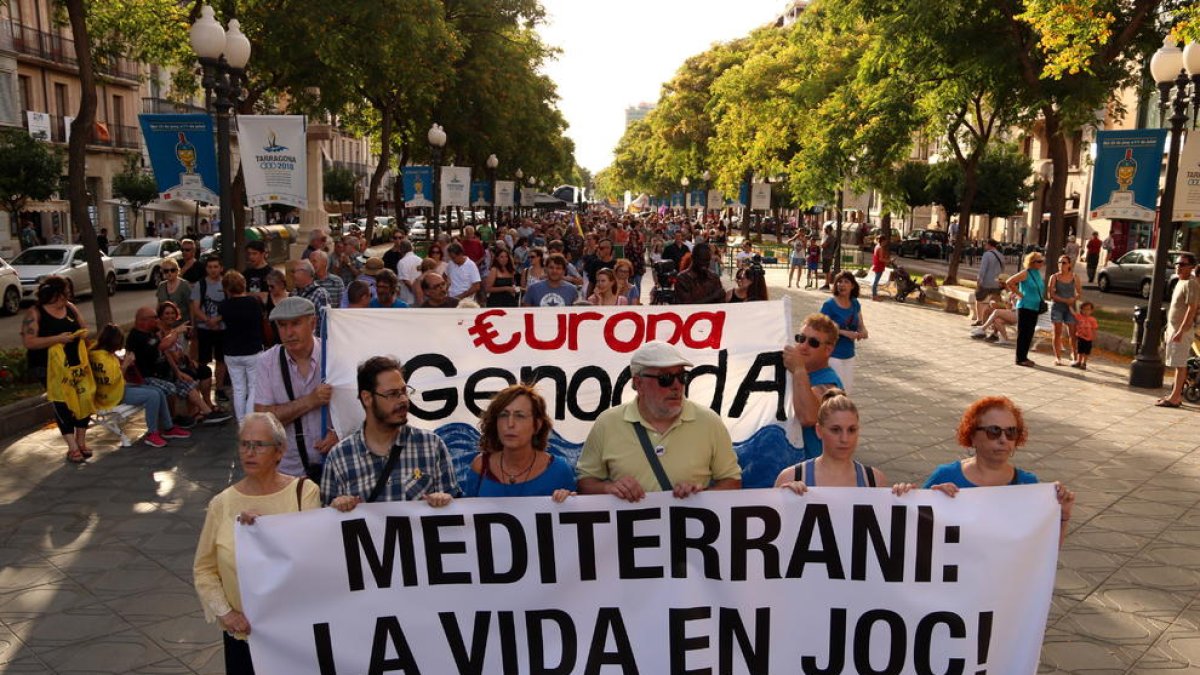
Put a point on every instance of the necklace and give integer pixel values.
(512, 477)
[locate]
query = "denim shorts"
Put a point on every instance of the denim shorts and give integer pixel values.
(1060, 312)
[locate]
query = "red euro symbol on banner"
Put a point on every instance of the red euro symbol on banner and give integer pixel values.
(485, 334)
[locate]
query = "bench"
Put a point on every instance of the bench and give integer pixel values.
(114, 420)
(865, 283)
(961, 294)
(1043, 331)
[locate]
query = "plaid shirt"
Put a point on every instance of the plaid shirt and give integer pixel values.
(334, 287)
(423, 466)
(320, 299)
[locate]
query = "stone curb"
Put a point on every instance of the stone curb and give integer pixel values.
(25, 415)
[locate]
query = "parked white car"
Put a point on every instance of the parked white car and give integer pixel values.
(139, 261)
(10, 289)
(65, 260)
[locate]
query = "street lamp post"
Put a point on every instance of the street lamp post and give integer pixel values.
(492, 163)
(517, 191)
(532, 181)
(1170, 67)
(707, 187)
(437, 141)
(223, 56)
(683, 184)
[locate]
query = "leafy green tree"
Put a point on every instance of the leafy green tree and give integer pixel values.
(1004, 182)
(30, 170)
(912, 181)
(135, 186)
(339, 184)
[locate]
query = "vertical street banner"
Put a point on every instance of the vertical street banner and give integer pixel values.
(716, 200)
(743, 197)
(1125, 178)
(1187, 185)
(481, 193)
(759, 581)
(676, 200)
(274, 151)
(456, 185)
(504, 193)
(39, 125)
(760, 197)
(183, 155)
(418, 186)
(578, 358)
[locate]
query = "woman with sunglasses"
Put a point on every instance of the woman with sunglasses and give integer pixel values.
(1065, 291)
(513, 460)
(174, 288)
(537, 269)
(992, 428)
(1029, 287)
(439, 256)
(262, 491)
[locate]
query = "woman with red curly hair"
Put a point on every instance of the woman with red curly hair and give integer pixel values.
(993, 428)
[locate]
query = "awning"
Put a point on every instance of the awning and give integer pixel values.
(50, 206)
(183, 207)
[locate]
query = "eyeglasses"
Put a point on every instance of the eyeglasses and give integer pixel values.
(256, 447)
(666, 379)
(812, 341)
(1039, 261)
(171, 270)
(993, 432)
(396, 394)
(514, 415)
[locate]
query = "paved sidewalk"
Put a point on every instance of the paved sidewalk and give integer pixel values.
(95, 561)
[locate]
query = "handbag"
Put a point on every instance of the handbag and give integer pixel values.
(1042, 306)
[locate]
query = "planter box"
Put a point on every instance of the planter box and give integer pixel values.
(24, 416)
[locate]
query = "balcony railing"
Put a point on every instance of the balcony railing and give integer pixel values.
(60, 50)
(6, 36)
(107, 135)
(163, 106)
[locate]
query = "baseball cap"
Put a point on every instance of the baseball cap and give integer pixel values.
(656, 354)
(293, 308)
(373, 266)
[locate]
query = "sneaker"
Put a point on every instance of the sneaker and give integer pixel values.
(183, 422)
(993, 338)
(978, 334)
(217, 417)
(154, 440)
(176, 432)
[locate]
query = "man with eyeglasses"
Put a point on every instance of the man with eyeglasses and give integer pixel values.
(386, 459)
(808, 362)
(660, 441)
(288, 384)
(436, 290)
(190, 267)
(1181, 327)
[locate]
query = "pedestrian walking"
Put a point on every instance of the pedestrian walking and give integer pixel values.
(1181, 326)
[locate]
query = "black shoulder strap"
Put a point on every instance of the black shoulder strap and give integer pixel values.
(998, 258)
(297, 425)
(299, 492)
(652, 457)
(383, 475)
(869, 475)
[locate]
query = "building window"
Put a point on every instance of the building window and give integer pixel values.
(14, 10)
(25, 91)
(1076, 148)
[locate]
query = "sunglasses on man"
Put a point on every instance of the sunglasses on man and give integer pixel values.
(812, 341)
(666, 379)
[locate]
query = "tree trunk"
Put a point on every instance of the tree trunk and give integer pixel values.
(1057, 196)
(970, 186)
(885, 225)
(385, 156)
(82, 130)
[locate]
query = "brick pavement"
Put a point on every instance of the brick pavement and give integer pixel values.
(95, 561)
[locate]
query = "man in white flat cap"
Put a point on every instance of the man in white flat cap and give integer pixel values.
(660, 441)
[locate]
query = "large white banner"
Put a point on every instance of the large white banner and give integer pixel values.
(760, 197)
(716, 200)
(274, 153)
(759, 581)
(578, 358)
(456, 186)
(39, 124)
(1187, 185)
(504, 193)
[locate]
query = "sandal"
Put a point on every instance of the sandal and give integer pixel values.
(1167, 403)
(76, 457)
(86, 452)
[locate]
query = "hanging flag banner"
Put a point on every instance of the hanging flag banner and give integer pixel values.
(274, 151)
(716, 200)
(481, 193)
(579, 358)
(676, 200)
(183, 155)
(760, 197)
(456, 183)
(1187, 185)
(39, 124)
(743, 197)
(1125, 179)
(697, 200)
(504, 193)
(418, 186)
(67, 122)
(761, 581)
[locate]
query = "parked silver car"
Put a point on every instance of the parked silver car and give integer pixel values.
(10, 289)
(139, 261)
(1132, 272)
(65, 260)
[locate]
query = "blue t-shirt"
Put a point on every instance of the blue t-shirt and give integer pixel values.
(812, 442)
(953, 473)
(846, 319)
(558, 475)
(541, 294)
(396, 304)
(1032, 289)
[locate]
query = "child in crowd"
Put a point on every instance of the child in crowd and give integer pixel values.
(813, 260)
(1085, 332)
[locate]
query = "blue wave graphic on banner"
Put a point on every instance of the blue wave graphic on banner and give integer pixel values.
(762, 456)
